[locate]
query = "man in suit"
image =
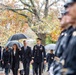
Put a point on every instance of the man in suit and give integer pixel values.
(26, 57)
(37, 58)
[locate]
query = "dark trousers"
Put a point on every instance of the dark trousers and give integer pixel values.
(0, 63)
(38, 68)
(49, 64)
(33, 69)
(26, 68)
(21, 72)
(15, 71)
(7, 70)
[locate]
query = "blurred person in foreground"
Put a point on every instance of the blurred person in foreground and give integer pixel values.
(66, 22)
(69, 55)
(0, 55)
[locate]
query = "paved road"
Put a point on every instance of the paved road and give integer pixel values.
(44, 73)
(2, 73)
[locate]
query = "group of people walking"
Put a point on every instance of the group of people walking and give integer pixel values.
(12, 56)
(64, 60)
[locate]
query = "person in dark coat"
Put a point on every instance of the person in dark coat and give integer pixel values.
(0, 52)
(65, 34)
(0, 56)
(26, 57)
(15, 53)
(6, 60)
(66, 20)
(37, 58)
(50, 58)
(70, 53)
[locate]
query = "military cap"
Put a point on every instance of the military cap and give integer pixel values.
(64, 12)
(66, 5)
(71, 1)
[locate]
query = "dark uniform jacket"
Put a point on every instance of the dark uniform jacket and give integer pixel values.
(70, 53)
(15, 59)
(58, 42)
(6, 58)
(0, 52)
(38, 52)
(50, 57)
(61, 49)
(26, 55)
(64, 42)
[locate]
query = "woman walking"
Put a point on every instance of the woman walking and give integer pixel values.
(15, 59)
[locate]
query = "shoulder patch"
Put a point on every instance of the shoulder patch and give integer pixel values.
(65, 34)
(62, 33)
(74, 33)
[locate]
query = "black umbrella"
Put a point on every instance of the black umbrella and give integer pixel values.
(17, 37)
(10, 44)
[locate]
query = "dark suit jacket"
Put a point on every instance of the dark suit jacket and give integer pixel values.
(50, 57)
(26, 54)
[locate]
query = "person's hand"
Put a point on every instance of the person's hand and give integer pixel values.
(2, 62)
(32, 62)
(51, 57)
(8, 63)
(57, 59)
(62, 62)
(45, 62)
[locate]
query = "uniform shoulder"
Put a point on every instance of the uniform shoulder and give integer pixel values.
(42, 45)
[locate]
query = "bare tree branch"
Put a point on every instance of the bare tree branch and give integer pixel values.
(53, 3)
(19, 13)
(32, 3)
(14, 10)
(46, 8)
(34, 9)
(25, 3)
(9, 8)
(42, 4)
